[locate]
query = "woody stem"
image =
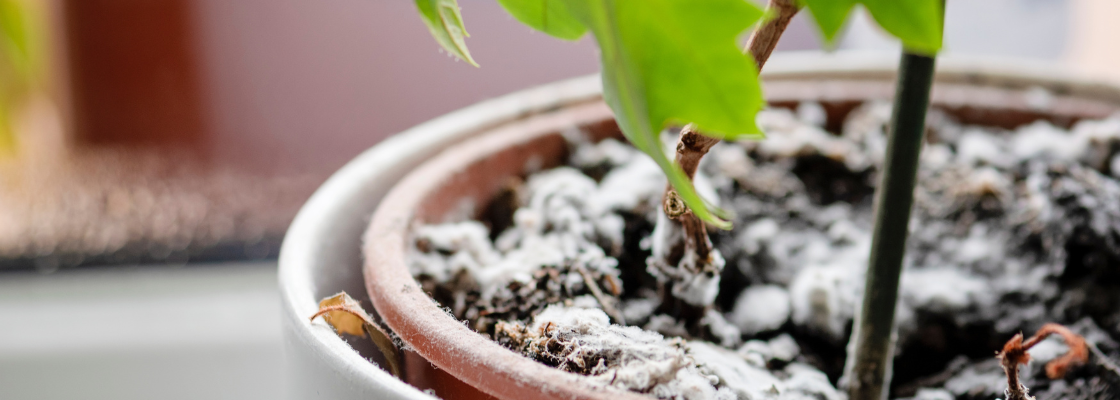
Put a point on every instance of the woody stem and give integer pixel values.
(692, 146)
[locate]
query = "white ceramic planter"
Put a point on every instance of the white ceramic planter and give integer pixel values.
(321, 254)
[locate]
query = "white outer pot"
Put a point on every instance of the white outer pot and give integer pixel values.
(321, 254)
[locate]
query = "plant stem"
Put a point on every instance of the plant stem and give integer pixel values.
(764, 39)
(895, 196)
(692, 146)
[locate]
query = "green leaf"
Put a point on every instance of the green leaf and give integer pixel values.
(917, 22)
(675, 62)
(446, 24)
(21, 60)
(830, 15)
(548, 16)
(15, 35)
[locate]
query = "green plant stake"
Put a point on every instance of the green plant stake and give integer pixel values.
(875, 324)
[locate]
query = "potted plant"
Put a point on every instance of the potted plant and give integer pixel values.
(468, 177)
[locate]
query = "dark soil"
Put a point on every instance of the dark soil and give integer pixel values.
(1004, 239)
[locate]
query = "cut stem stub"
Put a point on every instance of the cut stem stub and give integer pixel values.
(1014, 354)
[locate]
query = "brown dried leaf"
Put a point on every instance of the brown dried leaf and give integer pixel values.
(347, 316)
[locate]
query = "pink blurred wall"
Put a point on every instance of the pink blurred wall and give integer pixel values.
(302, 86)
(295, 86)
(285, 87)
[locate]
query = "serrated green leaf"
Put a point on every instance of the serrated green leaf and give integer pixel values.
(675, 62)
(829, 15)
(446, 25)
(548, 16)
(918, 23)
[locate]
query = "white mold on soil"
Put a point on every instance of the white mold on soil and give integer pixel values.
(1010, 229)
(761, 308)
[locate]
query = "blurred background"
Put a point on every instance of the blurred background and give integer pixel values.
(153, 152)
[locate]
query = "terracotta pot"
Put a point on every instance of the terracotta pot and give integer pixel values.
(459, 363)
(465, 178)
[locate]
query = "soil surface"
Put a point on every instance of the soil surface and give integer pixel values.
(1010, 230)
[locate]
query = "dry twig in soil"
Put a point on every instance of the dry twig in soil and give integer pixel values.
(607, 303)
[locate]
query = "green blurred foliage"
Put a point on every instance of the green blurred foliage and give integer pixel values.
(548, 16)
(917, 23)
(21, 60)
